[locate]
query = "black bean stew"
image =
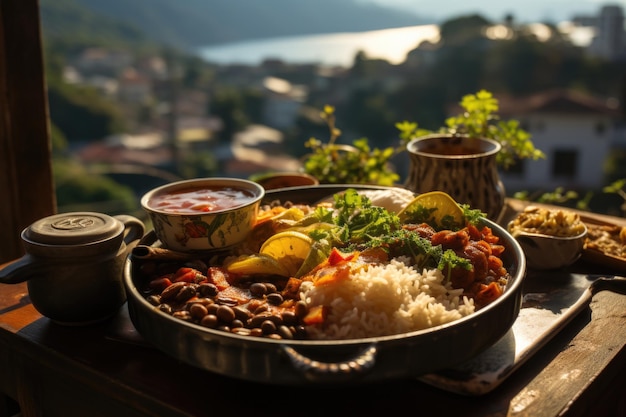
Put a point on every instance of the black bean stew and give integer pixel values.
(266, 309)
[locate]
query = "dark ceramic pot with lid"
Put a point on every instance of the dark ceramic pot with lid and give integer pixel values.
(73, 265)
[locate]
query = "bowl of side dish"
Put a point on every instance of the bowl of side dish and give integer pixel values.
(605, 243)
(550, 238)
(203, 214)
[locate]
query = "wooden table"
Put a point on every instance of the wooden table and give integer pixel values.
(52, 370)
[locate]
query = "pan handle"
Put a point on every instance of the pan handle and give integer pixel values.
(615, 284)
(318, 371)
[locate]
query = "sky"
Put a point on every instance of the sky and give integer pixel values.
(523, 10)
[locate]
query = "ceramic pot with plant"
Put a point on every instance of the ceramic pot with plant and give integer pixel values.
(461, 166)
(463, 158)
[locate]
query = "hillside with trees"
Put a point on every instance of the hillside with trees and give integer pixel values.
(193, 23)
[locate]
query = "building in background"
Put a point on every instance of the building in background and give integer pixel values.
(575, 131)
(609, 41)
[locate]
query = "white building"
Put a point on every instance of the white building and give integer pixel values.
(575, 131)
(610, 40)
(134, 87)
(283, 101)
(102, 61)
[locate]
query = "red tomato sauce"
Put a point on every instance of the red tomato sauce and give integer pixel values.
(201, 200)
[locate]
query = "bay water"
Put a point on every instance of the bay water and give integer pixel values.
(335, 49)
(339, 49)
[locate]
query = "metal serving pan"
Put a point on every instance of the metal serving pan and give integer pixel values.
(345, 361)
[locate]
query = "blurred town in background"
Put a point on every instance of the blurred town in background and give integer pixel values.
(128, 112)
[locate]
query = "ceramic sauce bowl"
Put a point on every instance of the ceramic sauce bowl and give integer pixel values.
(277, 180)
(203, 214)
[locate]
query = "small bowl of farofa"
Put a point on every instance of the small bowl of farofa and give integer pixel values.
(550, 238)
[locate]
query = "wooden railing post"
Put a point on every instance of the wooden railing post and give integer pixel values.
(26, 185)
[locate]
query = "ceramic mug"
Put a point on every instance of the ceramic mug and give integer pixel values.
(461, 166)
(74, 264)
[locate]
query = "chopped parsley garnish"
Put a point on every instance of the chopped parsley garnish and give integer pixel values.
(472, 216)
(360, 219)
(355, 224)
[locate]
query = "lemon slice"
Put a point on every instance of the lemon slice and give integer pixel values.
(256, 264)
(318, 254)
(292, 214)
(289, 248)
(444, 211)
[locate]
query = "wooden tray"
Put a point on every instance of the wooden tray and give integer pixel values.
(598, 257)
(551, 300)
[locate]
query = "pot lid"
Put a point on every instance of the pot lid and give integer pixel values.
(78, 228)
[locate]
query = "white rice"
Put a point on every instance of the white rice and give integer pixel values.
(381, 300)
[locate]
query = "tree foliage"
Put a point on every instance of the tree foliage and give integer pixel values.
(358, 163)
(78, 190)
(83, 114)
